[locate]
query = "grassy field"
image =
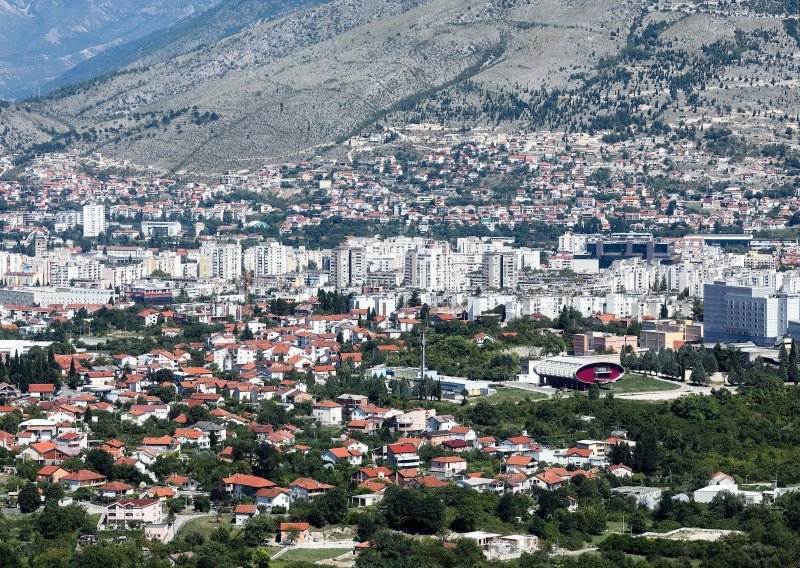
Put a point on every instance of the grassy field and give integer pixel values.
(632, 382)
(208, 524)
(512, 395)
(307, 555)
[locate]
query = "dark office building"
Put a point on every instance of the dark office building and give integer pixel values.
(609, 250)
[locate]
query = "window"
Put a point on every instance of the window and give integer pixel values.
(603, 371)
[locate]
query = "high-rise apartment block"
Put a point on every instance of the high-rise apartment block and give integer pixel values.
(94, 220)
(348, 266)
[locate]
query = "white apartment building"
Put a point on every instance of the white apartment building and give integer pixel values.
(572, 242)
(123, 275)
(94, 220)
(10, 262)
(65, 273)
(433, 268)
(633, 276)
(269, 259)
(224, 260)
(381, 304)
(167, 261)
(501, 269)
(48, 295)
(67, 219)
(348, 266)
(301, 258)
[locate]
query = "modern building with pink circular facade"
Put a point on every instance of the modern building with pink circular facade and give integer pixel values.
(577, 373)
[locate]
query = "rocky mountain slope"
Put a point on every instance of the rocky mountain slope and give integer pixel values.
(284, 88)
(40, 39)
(225, 18)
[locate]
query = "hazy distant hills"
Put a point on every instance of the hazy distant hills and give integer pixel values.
(41, 39)
(223, 19)
(206, 97)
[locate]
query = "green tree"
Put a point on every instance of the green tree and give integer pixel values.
(258, 529)
(645, 453)
(9, 558)
(99, 461)
(53, 492)
(28, 498)
(726, 505)
(260, 558)
(699, 375)
(697, 309)
(512, 505)
(56, 521)
(329, 508)
(418, 511)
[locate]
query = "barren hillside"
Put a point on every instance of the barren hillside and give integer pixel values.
(282, 88)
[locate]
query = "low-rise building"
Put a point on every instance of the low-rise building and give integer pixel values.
(446, 467)
(402, 456)
(127, 511)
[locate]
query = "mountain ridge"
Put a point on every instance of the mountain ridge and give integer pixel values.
(312, 78)
(43, 38)
(221, 20)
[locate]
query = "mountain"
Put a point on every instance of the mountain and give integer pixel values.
(283, 88)
(41, 39)
(225, 18)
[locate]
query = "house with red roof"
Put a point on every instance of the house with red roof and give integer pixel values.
(193, 436)
(447, 467)
(140, 511)
(456, 446)
(243, 513)
(371, 473)
(402, 455)
(327, 413)
(578, 457)
(182, 482)
(161, 444)
(115, 489)
(343, 455)
(620, 470)
(365, 426)
(47, 453)
(50, 474)
(241, 484)
(271, 497)
(550, 479)
(149, 317)
(162, 493)
(114, 447)
(520, 464)
(7, 440)
(82, 478)
(517, 445)
(42, 391)
(720, 478)
(306, 489)
(293, 533)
